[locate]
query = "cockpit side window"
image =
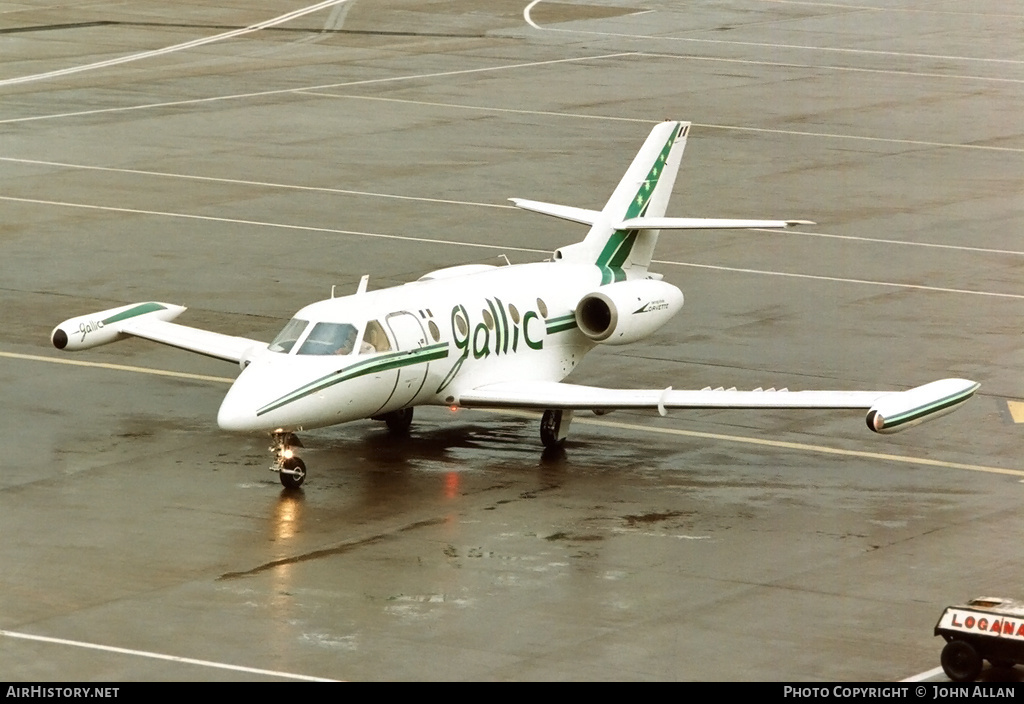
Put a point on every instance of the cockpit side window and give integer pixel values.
(330, 338)
(287, 338)
(374, 339)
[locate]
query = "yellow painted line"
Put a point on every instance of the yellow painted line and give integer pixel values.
(1016, 409)
(802, 447)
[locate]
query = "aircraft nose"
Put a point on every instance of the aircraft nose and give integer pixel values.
(238, 409)
(234, 415)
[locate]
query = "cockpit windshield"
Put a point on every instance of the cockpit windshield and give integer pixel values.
(330, 338)
(287, 338)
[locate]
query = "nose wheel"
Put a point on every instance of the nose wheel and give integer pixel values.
(554, 427)
(287, 463)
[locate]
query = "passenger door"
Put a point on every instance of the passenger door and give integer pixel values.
(409, 335)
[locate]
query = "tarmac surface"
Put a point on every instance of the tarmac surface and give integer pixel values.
(244, 177)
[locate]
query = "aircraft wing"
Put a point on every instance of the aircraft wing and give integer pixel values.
(205, 342)
(888, 411)
(151, 321)
(646, 223)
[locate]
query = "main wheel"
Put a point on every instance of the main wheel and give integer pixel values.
(296, 474)
(960, 661)
(550, 424)
(399, 421)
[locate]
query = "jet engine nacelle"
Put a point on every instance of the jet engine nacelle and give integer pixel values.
(902, 409)
(102, 328)
(627, 311)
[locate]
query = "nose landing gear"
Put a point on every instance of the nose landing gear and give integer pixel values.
(289, 467)
(554, 427)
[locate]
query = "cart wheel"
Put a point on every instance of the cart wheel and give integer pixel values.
(960, 661)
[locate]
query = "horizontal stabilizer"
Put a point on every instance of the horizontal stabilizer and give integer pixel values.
(643, 223)
(563, 212)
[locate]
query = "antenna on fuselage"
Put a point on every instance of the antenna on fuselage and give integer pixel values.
(362, 284)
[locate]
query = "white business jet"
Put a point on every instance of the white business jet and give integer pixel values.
(480, 336)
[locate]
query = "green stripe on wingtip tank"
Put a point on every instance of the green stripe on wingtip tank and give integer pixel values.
(140, 309)
(922, 411)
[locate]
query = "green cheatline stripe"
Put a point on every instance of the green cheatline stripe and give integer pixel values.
(621, 242)
(140, 309)
(387, 362)
(561, 323)
(928, 409)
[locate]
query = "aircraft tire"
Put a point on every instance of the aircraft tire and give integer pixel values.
(293, 481)
(960, 661)
(399, 421)
(549, 425)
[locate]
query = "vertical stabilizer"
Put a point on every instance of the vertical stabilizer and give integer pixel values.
(644, 191)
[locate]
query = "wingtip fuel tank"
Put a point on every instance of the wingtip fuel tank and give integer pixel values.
(903, 409)
(103, 327)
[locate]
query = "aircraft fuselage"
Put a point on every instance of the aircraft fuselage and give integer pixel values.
(443, 334)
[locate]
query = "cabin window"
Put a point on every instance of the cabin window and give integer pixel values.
(287, 338)
(374, 339)
(330, 338)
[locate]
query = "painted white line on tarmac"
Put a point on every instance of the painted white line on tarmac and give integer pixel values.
(501, 247)
(834, 135)
(804, 447)
(848, 69)
(261, 184)
(258, 223)
(837, 279)
(737, 128)
(326, 86)
(162, 656)
(117, 367)
(767, 45)
(904, 10)
(470, 203)
(280, 19)
(482, 108)
(927, 674)
(882, 240)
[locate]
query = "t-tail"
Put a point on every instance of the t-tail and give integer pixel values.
(624, 233)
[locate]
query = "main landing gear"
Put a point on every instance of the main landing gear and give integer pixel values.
(554, 427)
(289, 467)
(398, 421)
